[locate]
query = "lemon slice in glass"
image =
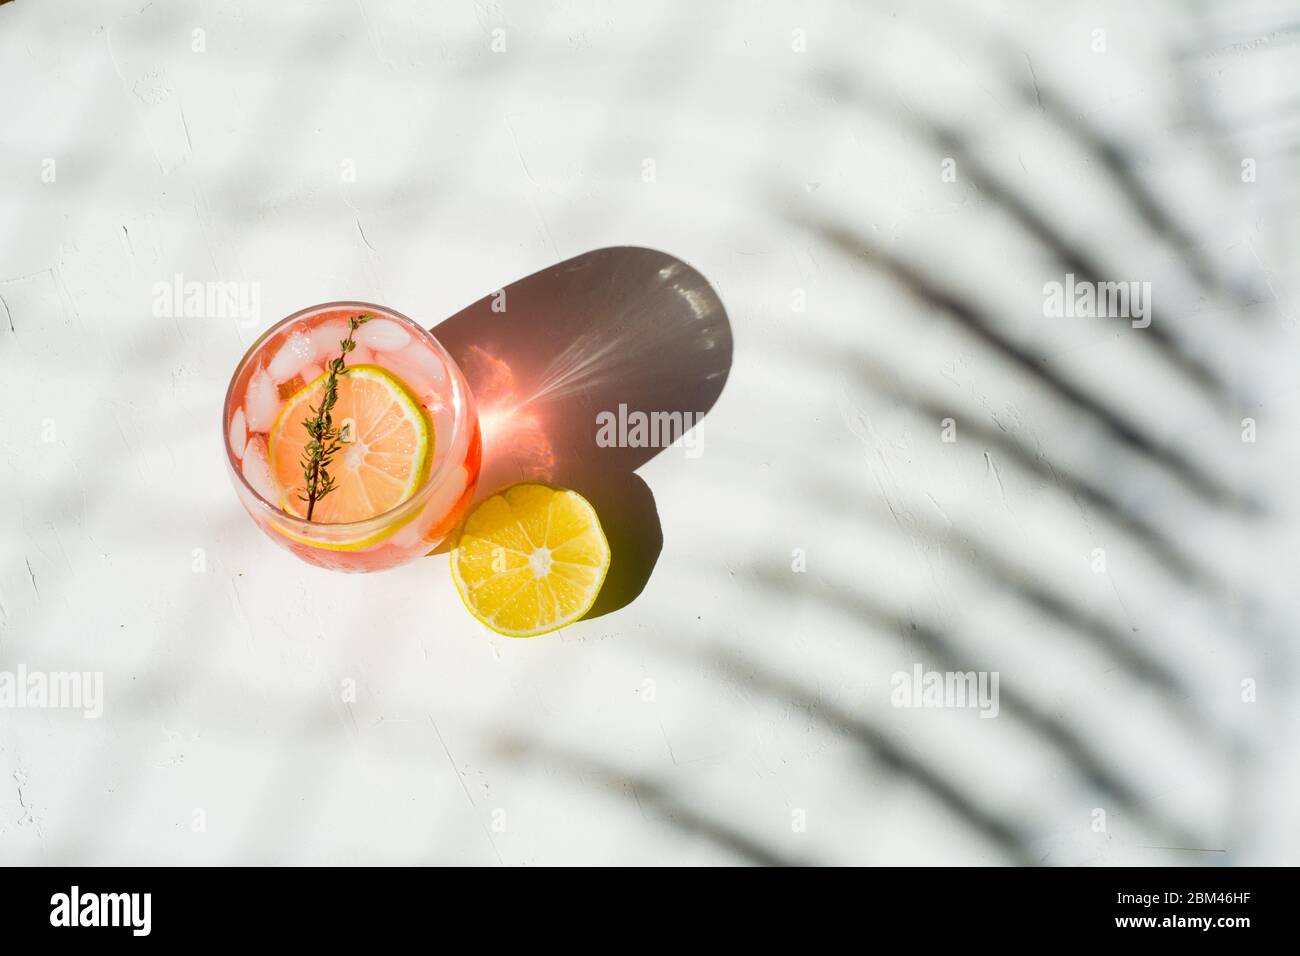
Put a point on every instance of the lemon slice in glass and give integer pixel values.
(384, 458)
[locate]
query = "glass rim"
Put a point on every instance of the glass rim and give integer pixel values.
(461, 405)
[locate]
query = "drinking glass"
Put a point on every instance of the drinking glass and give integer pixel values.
(295, 352)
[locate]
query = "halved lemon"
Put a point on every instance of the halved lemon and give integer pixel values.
(384, 458)
(530, 559)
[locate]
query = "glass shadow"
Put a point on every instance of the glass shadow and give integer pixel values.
(585, 371)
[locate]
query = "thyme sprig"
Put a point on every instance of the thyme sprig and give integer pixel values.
(326, 440)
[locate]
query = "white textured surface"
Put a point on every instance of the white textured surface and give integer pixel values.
(771, 689)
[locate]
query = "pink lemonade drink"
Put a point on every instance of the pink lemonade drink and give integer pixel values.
(409, 437)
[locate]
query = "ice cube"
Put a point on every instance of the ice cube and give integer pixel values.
(445, 497)
(360, 356)
(325, 340)
(295, 353)
(311, 373)
(383, 335)
(257, 470)
(238, 433)
(416, 366)
(415, 529)
(429, 364)
(434, 512)
(441, 426)
(261, 401)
